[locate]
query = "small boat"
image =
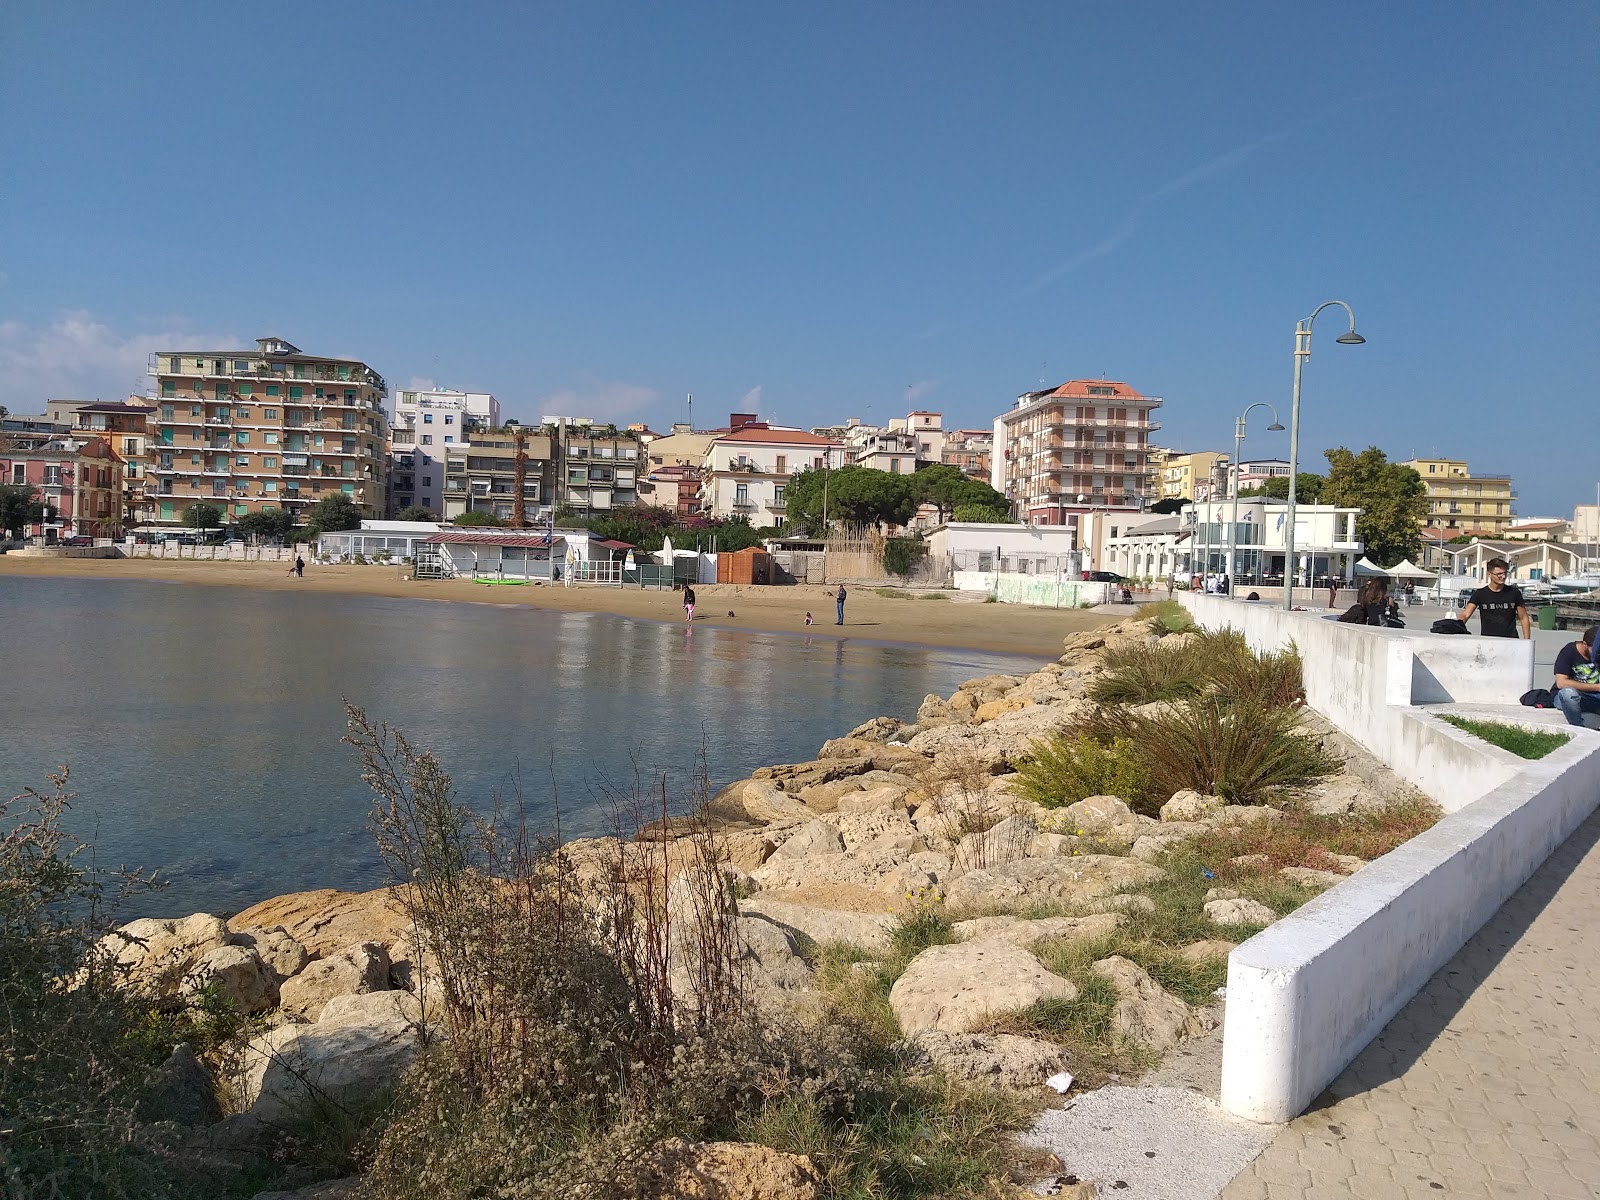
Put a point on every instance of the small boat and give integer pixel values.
(503, 582)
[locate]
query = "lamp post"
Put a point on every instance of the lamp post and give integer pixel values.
(1302, 351)
(1238, 450)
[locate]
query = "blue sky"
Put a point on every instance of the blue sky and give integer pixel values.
(830, 210)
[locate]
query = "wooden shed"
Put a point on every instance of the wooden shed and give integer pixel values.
(750, 565)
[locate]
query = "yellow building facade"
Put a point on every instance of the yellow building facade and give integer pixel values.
(1461, 502)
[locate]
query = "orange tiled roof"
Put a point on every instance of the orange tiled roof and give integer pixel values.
(786, 437)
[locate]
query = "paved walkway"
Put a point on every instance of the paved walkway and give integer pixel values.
(1488, 1083)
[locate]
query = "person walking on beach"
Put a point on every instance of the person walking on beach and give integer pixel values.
(1333, 592)
(1500, 605)
(299, 567)
(839, 599)
(688, 603)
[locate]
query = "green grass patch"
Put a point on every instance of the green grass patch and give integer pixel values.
(933, 596)
(1524, 743)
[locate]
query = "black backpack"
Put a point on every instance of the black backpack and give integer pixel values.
(1449, 625)
(1537, 698)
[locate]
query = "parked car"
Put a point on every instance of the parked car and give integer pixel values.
(77, 540)
(1103, 577)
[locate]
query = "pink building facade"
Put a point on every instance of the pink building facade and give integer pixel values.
(79, 480)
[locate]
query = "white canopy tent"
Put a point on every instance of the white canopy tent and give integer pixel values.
(1406, 569)
(1365, 566)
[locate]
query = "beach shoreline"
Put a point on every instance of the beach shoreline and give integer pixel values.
(958, 622)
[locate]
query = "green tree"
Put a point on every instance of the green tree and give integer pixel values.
(1307, 488)
(19, 508)
(1174, 504)
(941, 486)
(333, 512)
(983, 512)
(415, 513)
(201, 515)
(902, 554)
(476, 518)
(264, 526)
(1392, 498)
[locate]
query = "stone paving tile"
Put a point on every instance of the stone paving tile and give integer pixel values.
(1485, 1084)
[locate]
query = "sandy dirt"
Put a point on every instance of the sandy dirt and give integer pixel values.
(960, 621)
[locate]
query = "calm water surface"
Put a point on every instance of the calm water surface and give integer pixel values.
(202, 724)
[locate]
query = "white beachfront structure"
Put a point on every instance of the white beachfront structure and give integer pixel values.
(1325, 542)
(395, 540)
(1020, 549)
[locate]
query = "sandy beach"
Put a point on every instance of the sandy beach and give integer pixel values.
(956, 622)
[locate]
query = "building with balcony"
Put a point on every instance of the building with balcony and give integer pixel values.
(269, 428)
(596, 466)
(900, 447)
(1079, 448)
(745, 473)
(1463, 503)
(1325, 542)
(970, 450)
(482, 475)
(425, 423)
(125, 426)
(670, 474)
(77, 479)
(1189, 476)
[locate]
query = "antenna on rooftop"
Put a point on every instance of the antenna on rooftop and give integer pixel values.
(691, 410)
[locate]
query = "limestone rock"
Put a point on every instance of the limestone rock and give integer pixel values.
(747, 849)
(998, 1059)
(955, 988)
(294, 1067)
(764, 800)
(796, 777)
(1221, 893)
(1036, 880)
(372, 1008)
(152, 956)
(934, 711)
(237, 973)
(360, 968)
(1245, 814)
(1021, 932)
(1342, 794)
(1190, 805)
(327, 920)
(864, 867)
(814, 837)
(1095, 812)
(1310, 876)
(1239, 912)
(879, 729)
(276, 948)
(1208, 950)
(870, 799)
(181, 1090)
(1348, 863)
(882, 825)
(1002, 742)
(1151, 846)
(766, 953)
(727, 1171)
(1146, 1013)
(1007, 841)
(1125, 902)
(991, 709)
(870, 931)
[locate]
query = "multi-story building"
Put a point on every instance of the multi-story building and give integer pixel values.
(1462, 502)
(900, 447)
(969, 449)
(1255, 472)
(125, 427)
(424, 424)
(1079, 448)
(481, 476)
(596, 467)
(670, 473)
(77, 479)
(1188, 476)
(1586, 523)
(745, 473)
(269, 428)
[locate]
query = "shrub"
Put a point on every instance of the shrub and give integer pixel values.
(1167, 616)
(1142, 674)
(1069, 767)
(1240, 752)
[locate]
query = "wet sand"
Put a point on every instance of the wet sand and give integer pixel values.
(960, 621)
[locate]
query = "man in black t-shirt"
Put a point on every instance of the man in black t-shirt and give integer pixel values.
(1500, 604)
(1577, 685)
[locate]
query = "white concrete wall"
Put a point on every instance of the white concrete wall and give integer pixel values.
(1308, 993)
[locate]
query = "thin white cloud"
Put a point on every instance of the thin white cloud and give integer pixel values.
(79, 357)
(751, 400)
(418, 383)
(916, 391)
(607, 400)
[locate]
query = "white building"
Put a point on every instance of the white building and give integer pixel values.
(1020, 549)
(899, 447)
(746, 473)
(424, 423)
(1325, 542)
(1254, 473)
(1156, 548)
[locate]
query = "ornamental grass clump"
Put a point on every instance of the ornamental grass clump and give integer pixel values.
(1068, 767)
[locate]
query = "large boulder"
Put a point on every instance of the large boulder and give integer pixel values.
(796, 777)
(1005, 841)
(1310, 876)
(888, 825)
(152, 956)
(236, 973)
(327, 920)
(1151, 846)
(998, 1059)
(1146, 1013)
(1239, 912)
(1341, 794)
(1189, 805)
(765, 953)
(870, 931)
(727, 1171)
(814, 837)
(351, 1061)
(1001, 742)
(879, 730)
(181, 1090)
(763, 800)
(1023, 932)
(276, 948)
(1097, 812)
(878, 795)
(1039, 880)
(958, 987)
(746, 849)
(355, 969)
(864, 867)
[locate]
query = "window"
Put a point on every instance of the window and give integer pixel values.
(166, 412)
(244, 389)
(169, 388)
(449, 420)
(269, 414)
(52, 475)
(448, 439)
(296, 393)
(427, 439)
(777, 496)
(427, 418)
(271, 485)
(19, 473)
(741, 495)
(427, 481)
(894, 466)
(271, 439)
(349, 396)
(269, 462)
(272, 390)
(240, 510)
(783, 465)
(194, 410)
(242, 438)
(242, 413)
(240, 364)
(241, 461)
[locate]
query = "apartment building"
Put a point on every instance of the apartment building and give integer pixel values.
(670, 473)
(746, 472)
(269, 428)
(424, 424)
(1075, 449)
(1255, 472)
(1462, 502)
(1188, 476)
(125, 426)
(77, 479)
(481, 476)
(899, 447)
(970, 450)
(596, 467)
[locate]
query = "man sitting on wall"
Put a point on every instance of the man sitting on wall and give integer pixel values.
(1577, 678)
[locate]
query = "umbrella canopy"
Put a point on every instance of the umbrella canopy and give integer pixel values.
(1406, 569)
(1367, 567)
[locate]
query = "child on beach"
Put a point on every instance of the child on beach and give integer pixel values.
(688, 603)
(809, 621)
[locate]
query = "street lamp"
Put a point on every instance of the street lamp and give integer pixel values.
(1302, 351)
(1238, 450)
